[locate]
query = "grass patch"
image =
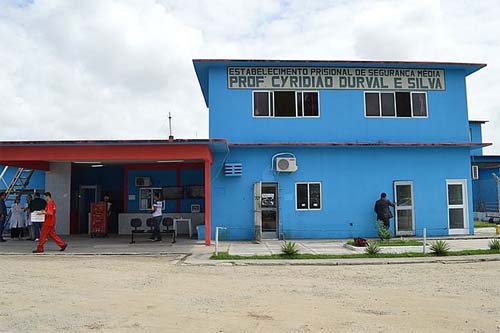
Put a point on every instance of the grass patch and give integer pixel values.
(483, 224)
(227, 256)
(395, 242)
(472, 252)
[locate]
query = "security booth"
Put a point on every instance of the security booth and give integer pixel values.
(126, 175)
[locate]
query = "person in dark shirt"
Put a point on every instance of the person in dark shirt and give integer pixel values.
(383, 211)
(37, 205)
(3, 215)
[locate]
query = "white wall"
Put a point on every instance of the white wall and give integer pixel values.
(58, 183)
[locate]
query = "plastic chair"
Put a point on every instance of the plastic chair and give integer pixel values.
(135, 223)
(150, 224)
(168, 222)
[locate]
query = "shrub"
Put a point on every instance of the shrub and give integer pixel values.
(440, 248)
(494, 244)
(289, 249)
(372, 248)
(383, 233)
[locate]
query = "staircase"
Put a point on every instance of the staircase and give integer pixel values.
(16, 186)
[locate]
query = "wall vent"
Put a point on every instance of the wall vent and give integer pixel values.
(233, 169)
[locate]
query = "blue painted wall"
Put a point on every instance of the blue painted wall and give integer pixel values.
(37, 180)
(352, 180)
(341, 117)
(476, 136)
(485, 190)
(109, 178)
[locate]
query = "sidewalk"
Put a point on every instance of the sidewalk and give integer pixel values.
(196, 253)
(113, 245)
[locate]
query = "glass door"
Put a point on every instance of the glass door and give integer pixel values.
(458, 223)
(404, 219)
(269, 206)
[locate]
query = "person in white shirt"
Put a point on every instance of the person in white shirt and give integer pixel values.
(17, 223)
(157, 216)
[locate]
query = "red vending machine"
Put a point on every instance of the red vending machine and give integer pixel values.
(98, 219)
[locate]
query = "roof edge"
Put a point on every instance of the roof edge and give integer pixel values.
(346, 61)
(111, 142)
(362, 144)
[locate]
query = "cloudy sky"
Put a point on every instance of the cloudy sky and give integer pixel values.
(104, 69)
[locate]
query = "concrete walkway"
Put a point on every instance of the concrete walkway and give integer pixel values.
(196, 253)
(338, 247)
(114, 245)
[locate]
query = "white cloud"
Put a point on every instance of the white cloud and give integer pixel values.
(115, 68)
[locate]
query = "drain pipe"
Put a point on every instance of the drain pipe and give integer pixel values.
(217, 238)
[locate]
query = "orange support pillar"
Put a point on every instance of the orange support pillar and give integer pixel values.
(208, 232)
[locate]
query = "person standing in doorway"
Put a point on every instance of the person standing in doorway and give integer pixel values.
(157, 215)
(49, 224)
(383, 211)
(36, 207)
(3, 215)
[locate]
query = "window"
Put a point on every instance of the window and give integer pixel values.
(419, 104)
(147, 195)
(261, 104)
(308, 196)
(286, 104)
(400, 104)
(372, 104)
(387, 105)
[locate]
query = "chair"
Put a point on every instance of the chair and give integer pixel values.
(168, 222)
(150, 224)
(135, 223)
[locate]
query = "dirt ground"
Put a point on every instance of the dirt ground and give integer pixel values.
(153, 294)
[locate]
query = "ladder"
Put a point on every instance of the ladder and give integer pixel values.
(16, 186)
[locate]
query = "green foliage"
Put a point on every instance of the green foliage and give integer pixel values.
(289, 249)
(383, 233)
(440, 248)
(227, 256)
(482, 224)
(372, 248)
(494, 244)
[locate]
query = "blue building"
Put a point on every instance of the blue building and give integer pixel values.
(312, 144)
(296, 149)
(485, 177)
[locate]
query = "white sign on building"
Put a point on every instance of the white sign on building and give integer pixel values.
(313, 78)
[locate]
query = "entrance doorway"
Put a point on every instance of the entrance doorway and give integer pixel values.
(458, 217)
(88, 194)
(266, 210)
(404, 217)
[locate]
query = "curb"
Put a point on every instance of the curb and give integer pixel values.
(100, 254)
(345, 262)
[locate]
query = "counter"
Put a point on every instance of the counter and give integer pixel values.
(124, 227)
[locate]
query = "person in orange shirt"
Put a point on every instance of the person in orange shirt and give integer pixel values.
(48, 227)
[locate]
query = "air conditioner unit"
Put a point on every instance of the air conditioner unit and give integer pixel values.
(475, 172)
(142, 181)
(286, 164)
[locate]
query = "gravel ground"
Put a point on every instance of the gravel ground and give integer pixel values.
(154, 294)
